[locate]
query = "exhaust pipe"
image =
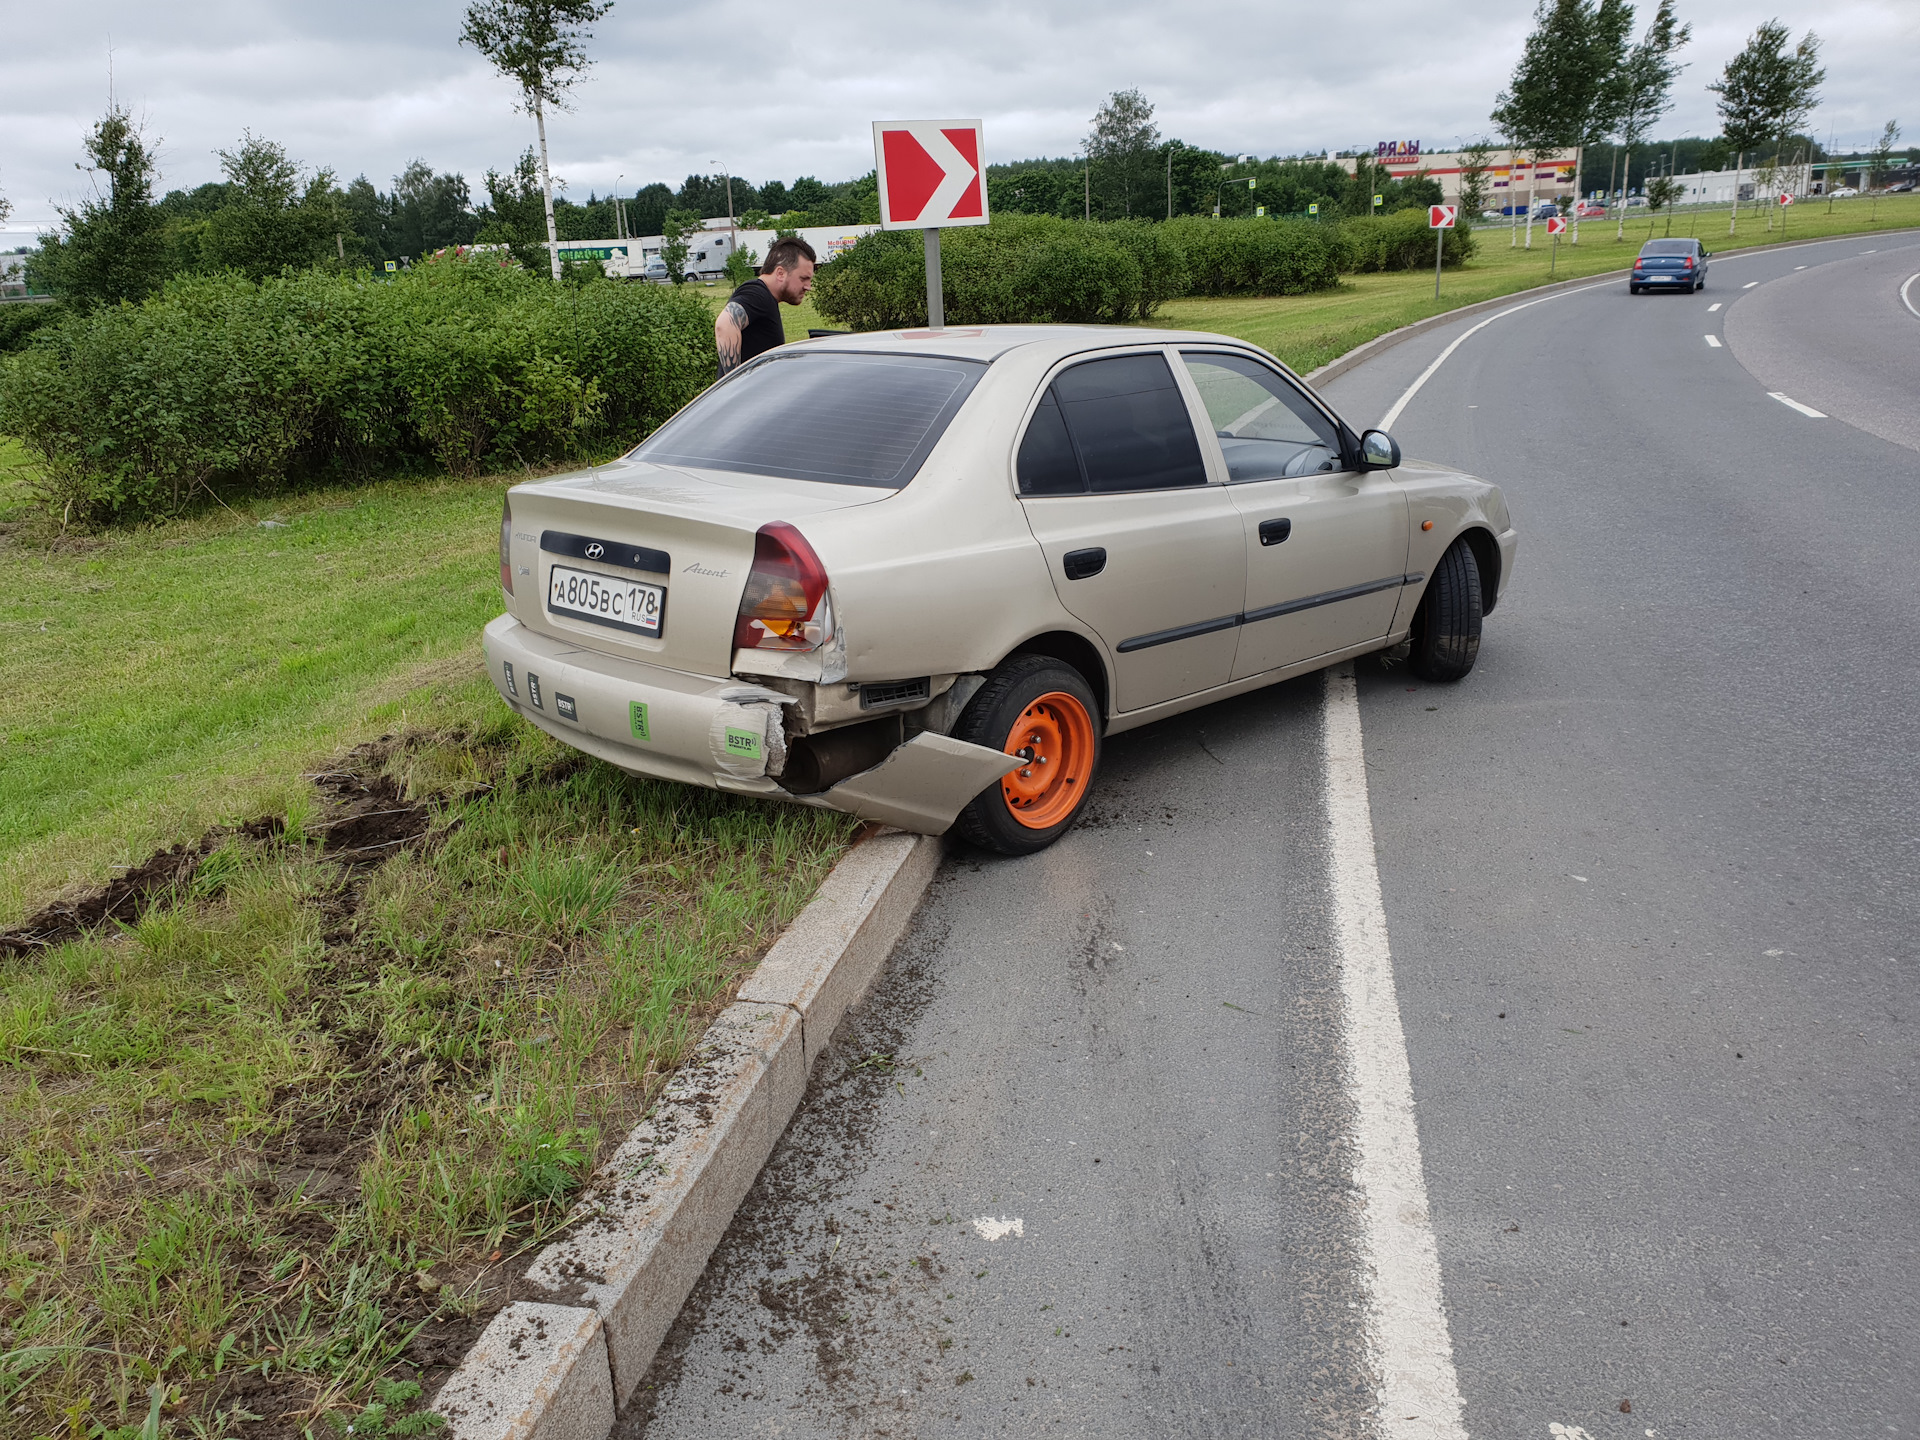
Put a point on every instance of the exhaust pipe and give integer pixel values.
(819, 762)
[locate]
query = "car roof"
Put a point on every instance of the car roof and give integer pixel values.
(990, 342)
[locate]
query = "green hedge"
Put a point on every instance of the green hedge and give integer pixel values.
(1256, 257)
(1400, 241)
(220, 383)
(1020, 269)
(1038, 268)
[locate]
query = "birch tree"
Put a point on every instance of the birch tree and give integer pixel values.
(1645, 90)
(540, 45)
(1766, 93)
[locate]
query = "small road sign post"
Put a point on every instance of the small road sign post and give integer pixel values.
(931, 174)
(1440, 219)
(1556, 227)
(1786, 199)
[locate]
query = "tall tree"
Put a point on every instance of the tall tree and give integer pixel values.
(1877, 172)
(1124, 143)
(270, 217)
(1766, 93)
(1565, 91)
(1645, 88)
(1475, 161)
(112, 245)
(540, 45)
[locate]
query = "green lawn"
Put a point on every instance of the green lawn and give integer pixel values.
(259, 1140)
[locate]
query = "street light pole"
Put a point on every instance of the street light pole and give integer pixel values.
(733, 235)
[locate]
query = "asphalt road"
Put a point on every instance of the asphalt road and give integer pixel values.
(1085, 1162)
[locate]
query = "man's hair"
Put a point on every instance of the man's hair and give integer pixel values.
(787, 255)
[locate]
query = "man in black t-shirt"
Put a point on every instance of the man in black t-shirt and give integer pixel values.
(750, 325)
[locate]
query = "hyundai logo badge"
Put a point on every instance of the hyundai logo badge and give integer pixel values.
(596, 550)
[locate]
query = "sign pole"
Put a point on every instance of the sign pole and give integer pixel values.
(936, 308)
(1554, 264)
(1439, 248)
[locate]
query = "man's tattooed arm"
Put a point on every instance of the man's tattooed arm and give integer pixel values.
(727, 330)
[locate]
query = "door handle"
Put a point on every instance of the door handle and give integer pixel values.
(1079, 564)
(1272, 532)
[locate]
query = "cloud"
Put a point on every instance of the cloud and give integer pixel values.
(776, 92)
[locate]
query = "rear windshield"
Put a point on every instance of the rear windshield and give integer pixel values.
(844, 419)
(1668, 247)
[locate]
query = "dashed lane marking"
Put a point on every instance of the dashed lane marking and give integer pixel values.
(1792, 404)
(1713, 307)
(1419, 1394)
(1906, 294)
(1714, 341)
(1750, 284)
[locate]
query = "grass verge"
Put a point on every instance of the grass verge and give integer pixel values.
(283, 1106)
(289, 1131)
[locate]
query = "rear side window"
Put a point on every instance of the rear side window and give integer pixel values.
(839, 418)
(1111, 425)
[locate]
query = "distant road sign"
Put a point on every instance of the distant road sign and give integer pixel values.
(1378, 201)
(1786, 199)
(1442, 217)
(1314, 208)
(393, 265)
(1556, 225)
(930, 173)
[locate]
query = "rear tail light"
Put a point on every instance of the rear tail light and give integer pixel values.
(1689, 262)
(506, 546)
(786, 606)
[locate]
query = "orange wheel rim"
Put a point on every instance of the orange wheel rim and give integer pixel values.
(1054, 737)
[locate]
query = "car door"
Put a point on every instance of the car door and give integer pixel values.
(1140, 545)
(1326, 546)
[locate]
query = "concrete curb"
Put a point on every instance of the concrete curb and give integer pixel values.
(1360, 354)
(641, 1235)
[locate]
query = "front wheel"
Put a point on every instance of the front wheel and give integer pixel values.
(1042, 710)
(1446, 627)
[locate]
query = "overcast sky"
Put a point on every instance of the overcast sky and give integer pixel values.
(787, 90)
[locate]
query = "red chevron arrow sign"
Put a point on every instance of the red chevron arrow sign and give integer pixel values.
(931, 173)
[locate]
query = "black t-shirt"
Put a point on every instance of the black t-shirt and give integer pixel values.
(763, 329)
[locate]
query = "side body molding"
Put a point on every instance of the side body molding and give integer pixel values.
(921, 786)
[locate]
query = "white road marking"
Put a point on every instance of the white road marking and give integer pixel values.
(1869, 252)
(1799, 267)
(1906, 294)
(993, 1229)
(1750, 284)
(1419, 1395)
(1714, 341)
(1713, 307)
(1793, 404)
(1441, 359)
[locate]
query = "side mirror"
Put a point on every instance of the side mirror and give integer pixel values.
(1379, 451)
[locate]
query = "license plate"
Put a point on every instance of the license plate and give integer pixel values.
(604, 600)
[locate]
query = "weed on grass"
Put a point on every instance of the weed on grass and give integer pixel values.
(278, 1122)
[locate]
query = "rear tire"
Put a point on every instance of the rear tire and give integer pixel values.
(1633, 289)
(1041, 706)
(1446, 628)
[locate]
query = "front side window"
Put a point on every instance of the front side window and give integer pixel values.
(835, 417)
(1111, 425)
(1267, 429)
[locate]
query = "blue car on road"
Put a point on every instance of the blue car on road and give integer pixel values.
(1669, 265)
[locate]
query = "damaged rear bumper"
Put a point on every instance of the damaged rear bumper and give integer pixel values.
(725, 734)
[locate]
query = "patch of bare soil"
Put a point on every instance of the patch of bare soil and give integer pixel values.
(162, 873)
